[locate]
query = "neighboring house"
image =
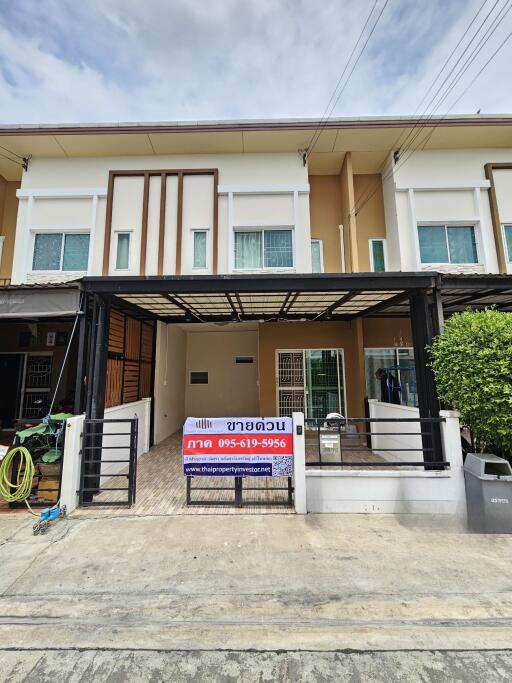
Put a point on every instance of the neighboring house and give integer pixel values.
(242, 199)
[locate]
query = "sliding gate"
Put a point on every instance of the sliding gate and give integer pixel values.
(108, 473)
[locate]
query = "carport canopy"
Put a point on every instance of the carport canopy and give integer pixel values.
(221, 298)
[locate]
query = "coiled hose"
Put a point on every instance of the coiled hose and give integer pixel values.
(13, 492)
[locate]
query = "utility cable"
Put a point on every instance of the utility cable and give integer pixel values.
(422, 143)
(312, 146)
(325, 115)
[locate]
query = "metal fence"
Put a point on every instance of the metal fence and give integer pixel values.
(358, 442)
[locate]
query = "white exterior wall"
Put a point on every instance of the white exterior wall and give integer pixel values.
(444, 186)
(503, 187)
(170, 374)
(381, 440)
(70, 194)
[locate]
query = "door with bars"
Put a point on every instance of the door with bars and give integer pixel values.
(310, 381)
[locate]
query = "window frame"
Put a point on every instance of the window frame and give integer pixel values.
(263, 229)
(446, 225)
(199, 372)
(396, 350)
(371, 240)
(504, 227)
(207, 249)
(62, 232)
(128, 232)
(320, 242)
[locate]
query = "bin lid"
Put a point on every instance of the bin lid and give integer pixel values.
(487, 466)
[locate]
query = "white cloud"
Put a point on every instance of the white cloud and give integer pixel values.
(112, 60)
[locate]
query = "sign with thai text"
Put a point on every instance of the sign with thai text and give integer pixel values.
(238, 447)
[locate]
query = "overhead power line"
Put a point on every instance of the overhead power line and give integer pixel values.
(442, 93)
(340, 86)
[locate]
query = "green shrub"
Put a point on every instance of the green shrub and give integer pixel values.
(472, 363)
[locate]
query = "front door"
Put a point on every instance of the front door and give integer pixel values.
(310, 381)
(11, 368)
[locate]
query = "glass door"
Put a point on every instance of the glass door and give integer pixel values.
(310, 381)
(324, 382)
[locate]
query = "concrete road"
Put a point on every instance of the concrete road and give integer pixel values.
(249, 597)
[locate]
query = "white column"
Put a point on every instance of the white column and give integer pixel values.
(71, 460)
(452, 451)
(299, 464)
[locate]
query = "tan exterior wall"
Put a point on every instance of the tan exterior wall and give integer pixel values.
(232, 388)
(309, 335)
(370, 219)
(326, 218)
(386, 332)
(8, 216)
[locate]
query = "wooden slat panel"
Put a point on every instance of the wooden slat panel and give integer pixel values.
(114, 383)
(116, 332)
(131, 381)
(132, 342)
(146, 351)
(145, 380)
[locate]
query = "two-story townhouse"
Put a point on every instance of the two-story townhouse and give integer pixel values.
(224, 271)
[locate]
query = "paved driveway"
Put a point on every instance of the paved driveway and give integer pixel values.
(269, 597)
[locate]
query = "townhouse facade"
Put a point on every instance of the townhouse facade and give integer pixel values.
(158, 219)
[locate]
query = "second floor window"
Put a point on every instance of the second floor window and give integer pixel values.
(61, 251)
(507, 229)
(447, 244)
(123, 251)
(200, 248)
(377, 255)
(317, 257)
(261, 249)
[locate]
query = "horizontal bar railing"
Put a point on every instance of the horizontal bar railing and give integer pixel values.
(349, 442)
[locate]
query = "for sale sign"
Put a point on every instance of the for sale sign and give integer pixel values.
(238, 447)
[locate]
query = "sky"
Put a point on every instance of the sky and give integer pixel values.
(165, 60)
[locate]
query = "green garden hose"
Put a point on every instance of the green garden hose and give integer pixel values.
(13, 492)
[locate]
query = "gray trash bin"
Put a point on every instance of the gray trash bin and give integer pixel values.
(488, 493)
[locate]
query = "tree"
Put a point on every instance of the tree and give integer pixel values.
(472, 363)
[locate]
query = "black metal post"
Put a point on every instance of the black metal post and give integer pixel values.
(81, 358)
(428, 403)
(96, 382)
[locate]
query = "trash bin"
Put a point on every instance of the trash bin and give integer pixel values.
(488, 493)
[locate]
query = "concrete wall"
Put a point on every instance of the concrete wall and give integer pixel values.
(232, 388)
(397, 491)
(258, 190)
(383, 437)
(127, 411)
(170, 380)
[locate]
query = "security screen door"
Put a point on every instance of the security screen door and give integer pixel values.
(310, 381)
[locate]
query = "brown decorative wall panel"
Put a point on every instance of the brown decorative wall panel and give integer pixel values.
(130, 360)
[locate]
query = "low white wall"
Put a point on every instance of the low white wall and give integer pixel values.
(140, 409)
(397, 491)
(383, 438)
(73, 445)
